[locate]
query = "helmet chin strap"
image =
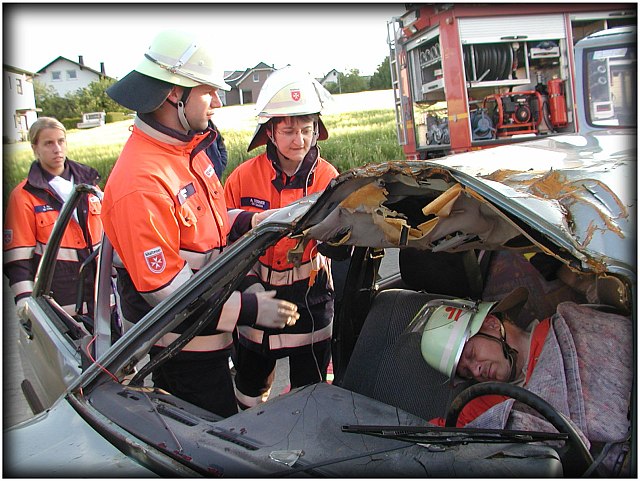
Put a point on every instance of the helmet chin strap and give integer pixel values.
(180, 107)
(510, 353)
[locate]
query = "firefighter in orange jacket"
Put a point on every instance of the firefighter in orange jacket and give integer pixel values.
(289, 124)
(34, 206)
(165, 215)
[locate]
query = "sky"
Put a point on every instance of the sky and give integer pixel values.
(317, 37)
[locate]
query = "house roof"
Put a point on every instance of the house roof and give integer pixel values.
(13, 69)
(237, 76)
(329, 73)
(81, 66)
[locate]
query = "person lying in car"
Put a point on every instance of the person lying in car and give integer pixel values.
(578, 360)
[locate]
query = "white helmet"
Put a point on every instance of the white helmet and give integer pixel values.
(446, 325)
(289, 92)
(174, 58)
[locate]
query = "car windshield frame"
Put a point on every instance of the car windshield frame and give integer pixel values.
(216, 282)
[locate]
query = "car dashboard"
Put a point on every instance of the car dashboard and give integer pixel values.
(300, 434)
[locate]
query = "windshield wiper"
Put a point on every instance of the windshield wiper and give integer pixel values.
(452, 436)
(429, 435)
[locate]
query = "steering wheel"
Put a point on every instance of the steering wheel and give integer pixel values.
(575, 455)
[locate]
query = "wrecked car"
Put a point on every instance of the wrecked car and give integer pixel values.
(557, 216)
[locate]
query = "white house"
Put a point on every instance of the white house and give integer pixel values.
(332, 76)
(66, 76)
(19, 110)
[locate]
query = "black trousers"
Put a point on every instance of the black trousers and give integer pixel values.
(204, 382)
(255, 371)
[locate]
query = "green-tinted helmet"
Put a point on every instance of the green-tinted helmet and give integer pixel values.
(174, 58)
(181, 59)
(449, 324)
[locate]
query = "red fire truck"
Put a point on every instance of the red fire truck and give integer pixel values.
(469, 76)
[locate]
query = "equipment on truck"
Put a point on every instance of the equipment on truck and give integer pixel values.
(557, 103)
(497, 73)
(437, 130)
(607, 61)
(515, 113)
(481, 125)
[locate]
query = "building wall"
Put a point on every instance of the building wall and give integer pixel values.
(232, 97)
(223, 96)
(247, 91)
(60, 76)
(19, 101)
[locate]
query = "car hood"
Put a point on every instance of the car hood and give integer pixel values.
(567, 194)
(70, 446)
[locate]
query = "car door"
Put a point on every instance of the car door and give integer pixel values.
(54, 345)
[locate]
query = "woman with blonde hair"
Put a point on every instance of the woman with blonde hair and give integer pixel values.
(34, 206)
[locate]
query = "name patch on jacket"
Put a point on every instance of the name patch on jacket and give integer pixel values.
(186, 192)
(155, 260)
(7, 236)
(253, 202)
(39, 209)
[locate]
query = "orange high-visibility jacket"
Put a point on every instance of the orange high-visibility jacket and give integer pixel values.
(32, 210)
(164, 213)
(259, 184)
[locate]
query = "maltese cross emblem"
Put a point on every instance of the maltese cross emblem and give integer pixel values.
(155, 260)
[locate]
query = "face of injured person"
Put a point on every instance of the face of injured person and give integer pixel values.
(482, 358)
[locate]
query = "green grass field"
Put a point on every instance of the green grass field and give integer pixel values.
(361, 130)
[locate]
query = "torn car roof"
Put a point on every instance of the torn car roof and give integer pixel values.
(577, 191)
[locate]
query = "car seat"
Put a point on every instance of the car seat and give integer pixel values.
(386, 363)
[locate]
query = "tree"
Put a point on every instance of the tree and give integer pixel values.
(332, 87)
(92, 98)
(381, 79)
(352, 82)
(51, 104)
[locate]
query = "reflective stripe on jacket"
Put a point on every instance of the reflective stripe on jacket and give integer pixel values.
(259, 184)
(32, 210)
